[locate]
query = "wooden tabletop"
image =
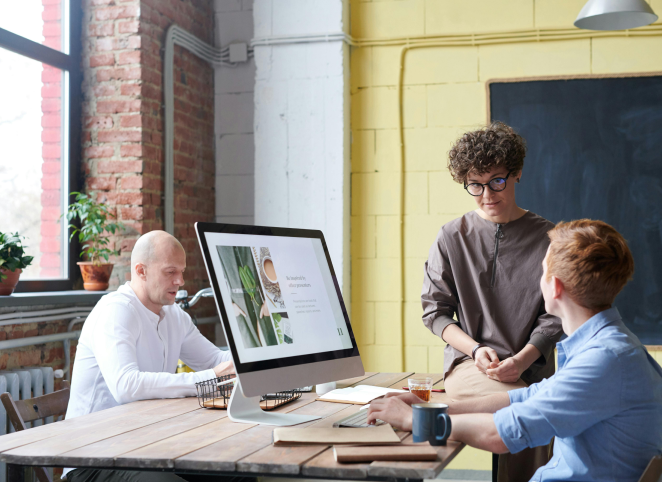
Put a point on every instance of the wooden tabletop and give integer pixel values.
(178, 435)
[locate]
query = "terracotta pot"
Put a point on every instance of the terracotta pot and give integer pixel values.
(8, 284)
(95, 278)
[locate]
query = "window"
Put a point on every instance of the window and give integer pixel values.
(40, 120)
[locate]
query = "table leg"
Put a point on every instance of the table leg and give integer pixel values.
(495, 467)
(15, 473)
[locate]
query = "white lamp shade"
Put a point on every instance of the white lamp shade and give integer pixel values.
(615, 15)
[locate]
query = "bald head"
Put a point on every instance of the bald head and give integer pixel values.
(152, 246)
(158, 262)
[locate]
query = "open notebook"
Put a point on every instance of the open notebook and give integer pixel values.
(359, 395)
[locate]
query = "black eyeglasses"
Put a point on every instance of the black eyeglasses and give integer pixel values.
(477, 189)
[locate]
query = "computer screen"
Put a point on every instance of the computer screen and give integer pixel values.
(277, 296)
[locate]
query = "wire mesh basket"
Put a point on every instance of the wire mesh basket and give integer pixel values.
(213, 394)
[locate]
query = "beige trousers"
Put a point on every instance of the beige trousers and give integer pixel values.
(466, 381)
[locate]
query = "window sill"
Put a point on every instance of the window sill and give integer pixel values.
(51, 298)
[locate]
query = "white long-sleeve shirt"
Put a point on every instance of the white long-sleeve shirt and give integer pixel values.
(127, 353)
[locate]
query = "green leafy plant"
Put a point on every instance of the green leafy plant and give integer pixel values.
(12, 254)
(250, 287)
(95, 225)
(248, 281)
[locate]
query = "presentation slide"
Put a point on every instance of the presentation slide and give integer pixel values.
(279, 296)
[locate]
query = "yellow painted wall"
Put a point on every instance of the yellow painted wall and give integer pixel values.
(444, 96)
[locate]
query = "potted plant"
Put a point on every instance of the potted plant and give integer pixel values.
(96, 225)
(12, 261)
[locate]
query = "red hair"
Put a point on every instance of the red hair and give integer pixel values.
(592, 260)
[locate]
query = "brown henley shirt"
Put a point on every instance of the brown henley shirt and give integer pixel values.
(489, 276)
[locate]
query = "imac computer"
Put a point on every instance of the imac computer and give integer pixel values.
(282, 312)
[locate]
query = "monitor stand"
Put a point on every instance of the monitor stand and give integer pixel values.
(247, 410)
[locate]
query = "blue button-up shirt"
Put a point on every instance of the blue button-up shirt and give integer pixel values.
(603, 405)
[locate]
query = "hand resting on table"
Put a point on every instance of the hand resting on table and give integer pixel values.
(395, 409)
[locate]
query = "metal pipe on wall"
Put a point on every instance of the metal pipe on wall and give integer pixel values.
(303, 39)
(42, 319)
(65, 337)
(216, 57)
(76, 315)
(34, 314)
(38, 340)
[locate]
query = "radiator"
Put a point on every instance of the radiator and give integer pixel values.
(22, 384)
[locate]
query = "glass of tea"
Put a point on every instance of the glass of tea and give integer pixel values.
(421, 387)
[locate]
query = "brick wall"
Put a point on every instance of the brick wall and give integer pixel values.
(51, 107)
(123, 153)
(123, 141)
(45, 355)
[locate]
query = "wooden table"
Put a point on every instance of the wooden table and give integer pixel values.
(178, 435)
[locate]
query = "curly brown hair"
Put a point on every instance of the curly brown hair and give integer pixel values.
(496, 145)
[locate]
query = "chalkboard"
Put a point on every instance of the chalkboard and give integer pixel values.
(595, 151)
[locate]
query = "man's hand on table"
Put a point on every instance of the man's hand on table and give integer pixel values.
(224, 368)
(408, 398)
(394, 408)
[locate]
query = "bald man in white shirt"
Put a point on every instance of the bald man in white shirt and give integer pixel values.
(131, 342)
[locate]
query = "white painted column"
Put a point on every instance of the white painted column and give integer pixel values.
(233, 97)
(302, 123)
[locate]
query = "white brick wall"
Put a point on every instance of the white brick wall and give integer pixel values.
(302, 124)
(233, 103)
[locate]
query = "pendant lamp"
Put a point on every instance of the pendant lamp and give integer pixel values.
(615, 15)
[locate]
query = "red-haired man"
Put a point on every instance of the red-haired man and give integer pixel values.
(603, 405)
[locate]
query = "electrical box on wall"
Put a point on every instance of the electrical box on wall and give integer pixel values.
(238, 52)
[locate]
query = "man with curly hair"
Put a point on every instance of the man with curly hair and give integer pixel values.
(484, 269)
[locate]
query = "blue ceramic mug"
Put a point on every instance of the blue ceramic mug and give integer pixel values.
(431, 423)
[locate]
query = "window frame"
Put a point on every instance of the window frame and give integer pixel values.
(70, 63)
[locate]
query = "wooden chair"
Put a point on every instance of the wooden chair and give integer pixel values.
(21, 412)
(653, 472)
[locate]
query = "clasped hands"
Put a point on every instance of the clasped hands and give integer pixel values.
(506, 371)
